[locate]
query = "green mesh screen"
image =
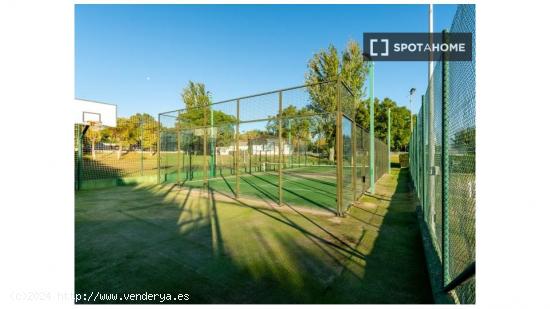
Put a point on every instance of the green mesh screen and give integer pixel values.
(381, 159)
(455, 240)
(462, 179)
(127, 150)
(433, 178)
(347, 157)
(366, 143)
(360, 161)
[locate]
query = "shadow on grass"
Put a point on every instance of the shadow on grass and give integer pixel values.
(253, 185)
(309, 200)
(163, 239)
(397, 258)
(395, 165)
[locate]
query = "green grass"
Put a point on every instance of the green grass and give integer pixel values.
(394, 158)
(107, 164)
(168, 239)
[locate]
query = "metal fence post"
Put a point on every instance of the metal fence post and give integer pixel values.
(417, 153)
(280, 148)
(419, 156)
(425, 148)
(371, 127)
(205, 147)
(339, 152)
(178, 153)
(79, 158)
(212, 145)
(158, 149)
(291, 149)
(431, 146)
(237, 150)
(420, 146)
(141, 142)
(445, 162)
(364, 167)
(415, 156)
(185, 153)
(353, 161)
(389, 140)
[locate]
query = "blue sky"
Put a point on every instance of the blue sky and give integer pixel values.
(141, 56)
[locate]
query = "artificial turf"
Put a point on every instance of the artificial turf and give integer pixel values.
(312, 186)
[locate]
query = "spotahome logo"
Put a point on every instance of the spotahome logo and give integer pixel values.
(417, 46)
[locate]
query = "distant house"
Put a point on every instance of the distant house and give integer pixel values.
(270, 145)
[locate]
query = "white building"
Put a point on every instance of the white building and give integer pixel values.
(271, 146)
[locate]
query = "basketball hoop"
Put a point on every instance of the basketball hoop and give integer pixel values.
(95, 115)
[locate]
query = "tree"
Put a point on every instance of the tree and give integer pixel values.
(253, 134)
(400, 117)
(198, 106)
(124, 134)
(465, 139)
(93, 136)
(225, 125)
(298, 124)
(195, 95)
(327, 65)
(137, 130)
(146, 131)
(295, 122)
(362, 114)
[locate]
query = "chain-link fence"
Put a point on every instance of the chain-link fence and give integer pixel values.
(108, 156)
(442, 163)
(298, 146)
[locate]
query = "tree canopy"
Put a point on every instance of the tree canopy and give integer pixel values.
(327, 65)
(138, 130)
(400, 121)
(295, 122)
(350, 67)
(197, 101)
(195, 95)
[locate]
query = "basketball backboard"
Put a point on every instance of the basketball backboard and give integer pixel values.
(86, 112)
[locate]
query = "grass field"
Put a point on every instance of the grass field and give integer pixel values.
(107, 164)
(171, 239)
(394, 158)
(309, 186)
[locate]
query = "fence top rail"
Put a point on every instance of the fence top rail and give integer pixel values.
(256, 120)
(265, 93)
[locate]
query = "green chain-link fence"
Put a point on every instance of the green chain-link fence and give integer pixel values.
(109, 156)
(442, 164)
(217, 143)
(237, 148)
(298, 146)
